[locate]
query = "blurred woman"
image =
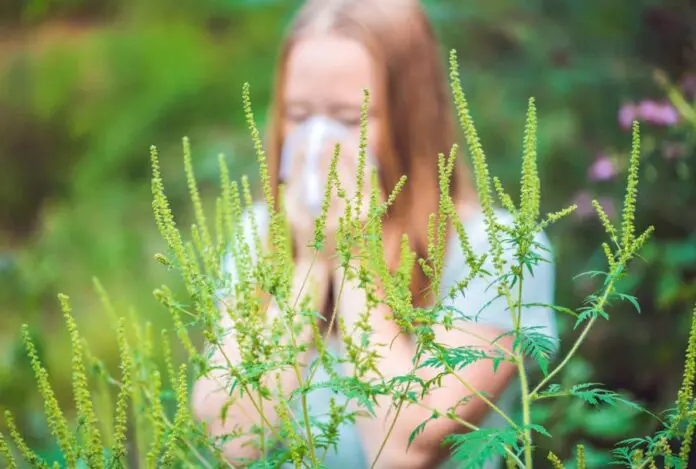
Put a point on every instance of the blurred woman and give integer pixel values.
(334, 50)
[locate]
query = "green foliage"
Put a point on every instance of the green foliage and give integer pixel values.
(56, 421)
(28, 455)
(474, 449)
(165, 431)
(87, 420)
(536, 345)
(86, 86)
(677, 426)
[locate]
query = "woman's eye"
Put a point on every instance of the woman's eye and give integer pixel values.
(296, 115)
(349, 120)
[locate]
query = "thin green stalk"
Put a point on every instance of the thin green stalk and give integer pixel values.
(480, 337)
(399, 406)
(332, 320)
(581, 338)
(308, 429)
(298, 374)
(263, 429)
(524, 386)
(478, 393)
(550, 395)
(567, 358)
(470, 426)
(303, 401)
(644, 463)
(170, 425)
(251, 399)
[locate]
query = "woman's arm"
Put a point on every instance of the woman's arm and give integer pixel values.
(396, 360)
(211, 393)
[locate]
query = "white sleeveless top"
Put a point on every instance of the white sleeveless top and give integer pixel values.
(538, 289)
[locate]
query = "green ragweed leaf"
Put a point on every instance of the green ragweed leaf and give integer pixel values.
(474, 449)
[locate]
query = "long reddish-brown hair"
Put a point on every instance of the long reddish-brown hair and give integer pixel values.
(418, 120)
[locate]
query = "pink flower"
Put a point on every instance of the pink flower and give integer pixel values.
(658, 113)
(602, 169)
(627, 114)
(583, 200)
(654, 112)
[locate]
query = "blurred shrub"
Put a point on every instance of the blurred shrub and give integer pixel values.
(84, 91)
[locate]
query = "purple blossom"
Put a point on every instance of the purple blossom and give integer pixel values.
(602, 169)
(658, 113)
(583, 200)
(627, 114)
(654, 112)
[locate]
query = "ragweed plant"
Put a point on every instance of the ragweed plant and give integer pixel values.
(234, 269)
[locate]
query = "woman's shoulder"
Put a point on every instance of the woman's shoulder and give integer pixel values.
(456, 262)
(537, 288)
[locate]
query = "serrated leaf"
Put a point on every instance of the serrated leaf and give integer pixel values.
(539, 429)
(632, 299)
(537, 345)
(419, 429)
(593, 395)
(455, 357)
(553, 388)
(556, 308)
(590, 273)
(474, 449)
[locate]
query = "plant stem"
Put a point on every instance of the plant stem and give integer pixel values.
(524, 385)
(263, 429)
(477, 393)
(332, 321)
(505, 351)
(600, 304)
(538, 397)
(298, 375)
(301, 383)
(391, 429)
(251, 399)
(578, 342)
(567, 358)
(304, 280)
(396, 416)
(193, 450)
(470, 426)
(298, 372)
(308, 429)
(334, 313)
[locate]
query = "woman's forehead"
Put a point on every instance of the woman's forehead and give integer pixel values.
(328, 68)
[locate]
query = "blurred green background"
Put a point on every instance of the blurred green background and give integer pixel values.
(86, 87)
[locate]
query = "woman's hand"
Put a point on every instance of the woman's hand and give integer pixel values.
(301, 218)
(352, 296)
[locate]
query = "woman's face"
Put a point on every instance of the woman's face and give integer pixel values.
(326, 75)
